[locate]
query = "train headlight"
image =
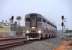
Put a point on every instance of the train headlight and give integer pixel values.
(39, 31)
(33, 27)
(27, 31)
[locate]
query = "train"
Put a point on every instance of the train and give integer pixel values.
(38, 27)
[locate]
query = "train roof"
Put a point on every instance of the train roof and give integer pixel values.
(27, 15)
(39, 15)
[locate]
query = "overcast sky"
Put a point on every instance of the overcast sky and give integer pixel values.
(50, 9)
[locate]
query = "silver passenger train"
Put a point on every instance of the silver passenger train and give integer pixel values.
(37, 27)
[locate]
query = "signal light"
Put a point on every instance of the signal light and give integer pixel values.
(12, 18)
(62, 17)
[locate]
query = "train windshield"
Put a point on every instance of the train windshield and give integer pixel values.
(27, 19)
(38, 19)
(33, 18)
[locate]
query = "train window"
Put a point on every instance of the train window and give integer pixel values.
(44, 20)
(39, 19)
(48, 22)
(33, 16)
(28, 19)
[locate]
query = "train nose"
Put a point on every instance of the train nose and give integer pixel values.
(32, 35)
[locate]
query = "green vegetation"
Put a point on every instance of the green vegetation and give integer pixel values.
(4, 29)
(1, 26)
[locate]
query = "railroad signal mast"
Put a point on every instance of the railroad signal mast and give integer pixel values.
(62, 24)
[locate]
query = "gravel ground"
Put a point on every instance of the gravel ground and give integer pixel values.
(47, 44)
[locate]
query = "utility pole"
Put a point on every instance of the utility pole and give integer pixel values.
(62, 24)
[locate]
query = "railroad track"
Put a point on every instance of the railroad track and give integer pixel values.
(10, 42)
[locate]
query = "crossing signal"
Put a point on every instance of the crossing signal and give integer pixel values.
(12, 17)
